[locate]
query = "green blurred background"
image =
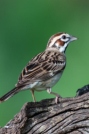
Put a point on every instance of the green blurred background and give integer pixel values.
(25, 27)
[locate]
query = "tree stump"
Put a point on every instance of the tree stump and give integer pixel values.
(69, 116)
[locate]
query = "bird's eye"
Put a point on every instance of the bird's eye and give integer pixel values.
(63, 37)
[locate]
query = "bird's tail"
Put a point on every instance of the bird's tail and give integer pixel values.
(8, 95)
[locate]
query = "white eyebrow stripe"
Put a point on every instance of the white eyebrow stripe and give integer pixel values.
(53, 41)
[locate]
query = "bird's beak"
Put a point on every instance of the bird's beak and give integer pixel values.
(72, 38)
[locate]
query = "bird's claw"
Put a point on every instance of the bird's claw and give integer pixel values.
(57, 98)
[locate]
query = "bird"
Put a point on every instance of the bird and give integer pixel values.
(45, 69)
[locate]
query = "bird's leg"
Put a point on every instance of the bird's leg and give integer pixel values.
(33, 95)
(57, 95)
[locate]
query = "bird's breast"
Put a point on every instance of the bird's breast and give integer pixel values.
(48, 83)
(43, 85)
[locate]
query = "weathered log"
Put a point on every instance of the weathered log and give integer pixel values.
(69, 116)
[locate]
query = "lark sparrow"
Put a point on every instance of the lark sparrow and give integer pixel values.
(45, 69)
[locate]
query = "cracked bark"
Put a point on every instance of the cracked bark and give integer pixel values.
(69, 116)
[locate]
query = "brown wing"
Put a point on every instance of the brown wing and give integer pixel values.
(42, 67)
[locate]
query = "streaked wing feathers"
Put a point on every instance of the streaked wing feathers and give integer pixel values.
(42, 67)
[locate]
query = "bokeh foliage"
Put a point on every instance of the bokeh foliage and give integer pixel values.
(25, 27)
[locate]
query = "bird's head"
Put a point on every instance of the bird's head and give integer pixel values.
(60, 41)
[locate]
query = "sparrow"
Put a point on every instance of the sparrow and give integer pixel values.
(45, 69)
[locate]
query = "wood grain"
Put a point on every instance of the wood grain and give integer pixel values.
(69, 116)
